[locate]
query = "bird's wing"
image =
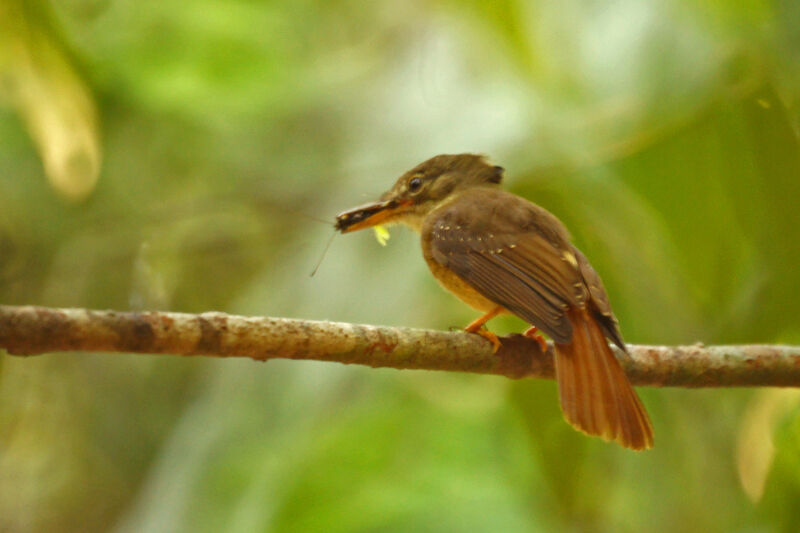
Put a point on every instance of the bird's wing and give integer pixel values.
(515, 254)
(601, 307)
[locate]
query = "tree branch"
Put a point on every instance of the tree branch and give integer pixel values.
(36, 330)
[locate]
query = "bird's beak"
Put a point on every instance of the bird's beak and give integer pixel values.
(369, 215)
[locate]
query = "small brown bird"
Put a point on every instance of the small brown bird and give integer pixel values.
(501, 253)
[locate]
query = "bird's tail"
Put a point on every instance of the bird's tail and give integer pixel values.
(596, 396)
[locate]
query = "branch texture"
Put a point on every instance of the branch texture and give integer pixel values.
(36, 330)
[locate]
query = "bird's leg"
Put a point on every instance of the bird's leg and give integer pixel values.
(532, 333)
(478, 323)
(476, 326)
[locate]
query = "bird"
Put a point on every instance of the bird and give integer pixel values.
(500, 253)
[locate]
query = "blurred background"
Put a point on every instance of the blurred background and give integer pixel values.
(170, 155)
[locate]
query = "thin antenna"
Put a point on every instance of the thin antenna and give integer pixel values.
(325, 251)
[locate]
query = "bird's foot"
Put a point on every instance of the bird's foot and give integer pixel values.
(489, 336)
(477, 326)
(532, 333)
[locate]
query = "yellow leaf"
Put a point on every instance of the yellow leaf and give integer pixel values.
(756, 448)
(381, 234)
(54, 102)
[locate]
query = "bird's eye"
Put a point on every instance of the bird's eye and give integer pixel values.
(414, 184)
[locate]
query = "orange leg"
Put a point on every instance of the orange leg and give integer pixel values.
(531, 333)
(476, 326)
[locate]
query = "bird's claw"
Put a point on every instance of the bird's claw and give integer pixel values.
(532, 333)
(489, 336)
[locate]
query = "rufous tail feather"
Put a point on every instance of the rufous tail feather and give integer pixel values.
(596, 396)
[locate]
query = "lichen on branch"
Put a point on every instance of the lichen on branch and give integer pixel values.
(28, 330)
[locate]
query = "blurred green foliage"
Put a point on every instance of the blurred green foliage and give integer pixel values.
(664, 134)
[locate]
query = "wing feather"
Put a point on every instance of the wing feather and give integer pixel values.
(530, 269)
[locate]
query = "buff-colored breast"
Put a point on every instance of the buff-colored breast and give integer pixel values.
(455, 284)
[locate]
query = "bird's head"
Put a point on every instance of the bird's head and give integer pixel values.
(421, 190)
